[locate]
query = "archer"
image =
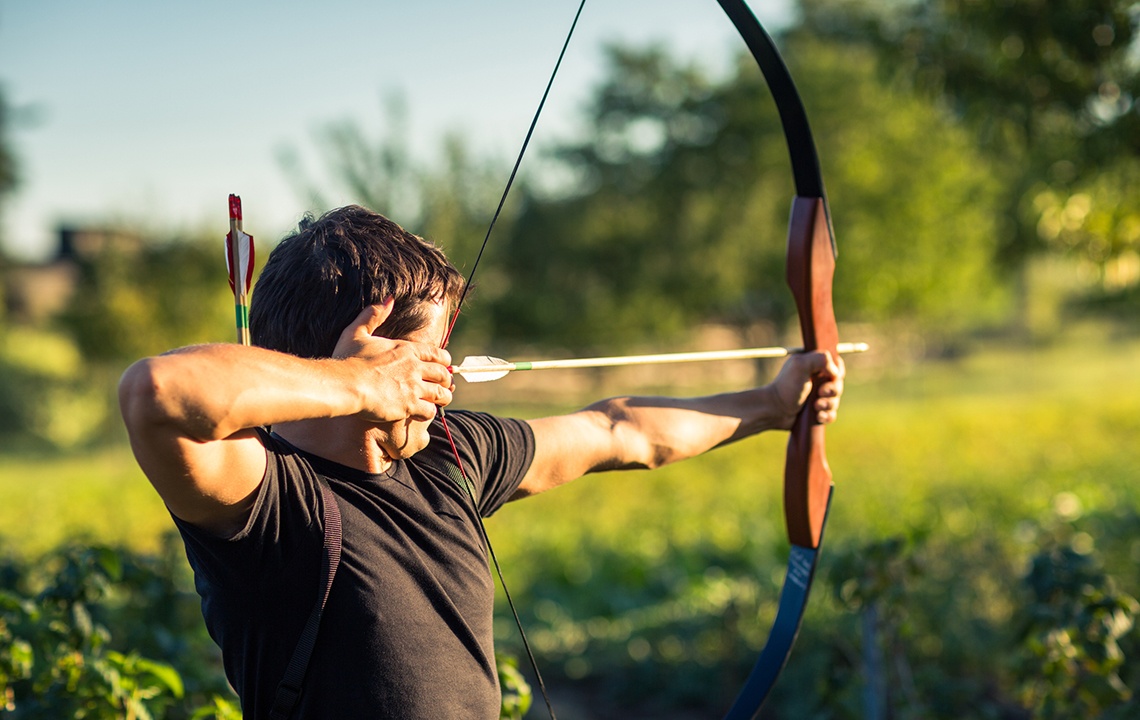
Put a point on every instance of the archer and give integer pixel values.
(340, 393)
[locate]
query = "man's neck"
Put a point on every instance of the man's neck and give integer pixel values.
(339, 440)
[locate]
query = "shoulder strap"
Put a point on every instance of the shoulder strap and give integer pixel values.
(289, 691)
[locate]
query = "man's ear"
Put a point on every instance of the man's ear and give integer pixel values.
(412, 317)
(373, 316)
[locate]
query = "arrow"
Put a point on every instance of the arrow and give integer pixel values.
(239, 263)
(482, 368)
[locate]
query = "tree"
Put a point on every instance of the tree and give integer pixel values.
(1049, 89)
(451, 205)
(638, 250)
(378, 174)
(9, 173)
(676, 211)
(132, 301)
(9, 169)
(683, 192)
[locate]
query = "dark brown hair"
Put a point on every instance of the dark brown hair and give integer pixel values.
(322, 275)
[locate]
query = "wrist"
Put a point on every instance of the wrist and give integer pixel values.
(780, 415)
(344, 388)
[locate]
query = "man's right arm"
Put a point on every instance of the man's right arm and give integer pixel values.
(649, 432)
(192, 414)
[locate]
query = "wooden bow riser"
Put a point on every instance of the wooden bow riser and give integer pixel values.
(810, 268)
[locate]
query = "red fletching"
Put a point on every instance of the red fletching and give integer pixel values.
(239, 251)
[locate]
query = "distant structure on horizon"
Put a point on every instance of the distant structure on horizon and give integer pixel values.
(34, 293)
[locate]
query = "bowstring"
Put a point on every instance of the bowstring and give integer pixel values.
(447, 337)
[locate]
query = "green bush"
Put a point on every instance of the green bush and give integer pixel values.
(95, 632)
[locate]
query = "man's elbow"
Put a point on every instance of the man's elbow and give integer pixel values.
(628, 446)
(138, 395)
(161, 392)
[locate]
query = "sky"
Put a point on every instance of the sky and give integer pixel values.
(153, 112)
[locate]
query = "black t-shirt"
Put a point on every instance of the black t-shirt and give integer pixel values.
(407, 629)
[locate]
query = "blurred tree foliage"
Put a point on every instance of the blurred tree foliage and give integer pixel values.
(8, 173)
(951, 133)
(451, 203)
(676, 206)
(50, 398)
(9, 179)
(377, 173)
(9, 170)
(131, 302)
(683, 193)
(1049, 90)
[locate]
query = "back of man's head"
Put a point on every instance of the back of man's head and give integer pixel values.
(322, 275)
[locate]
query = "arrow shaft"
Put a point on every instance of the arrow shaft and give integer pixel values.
(658, 359)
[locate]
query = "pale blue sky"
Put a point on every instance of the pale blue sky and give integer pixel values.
(158, 110)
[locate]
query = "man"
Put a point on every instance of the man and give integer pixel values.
(348, 315)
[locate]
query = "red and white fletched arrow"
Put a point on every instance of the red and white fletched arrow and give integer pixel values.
(239, 263)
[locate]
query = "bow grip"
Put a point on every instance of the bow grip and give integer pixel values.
(810, 268)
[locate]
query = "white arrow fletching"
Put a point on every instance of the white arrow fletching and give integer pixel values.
(483, 368)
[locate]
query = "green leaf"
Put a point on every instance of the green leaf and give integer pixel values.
(166, 674)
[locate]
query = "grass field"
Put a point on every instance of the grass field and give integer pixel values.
(101, 496)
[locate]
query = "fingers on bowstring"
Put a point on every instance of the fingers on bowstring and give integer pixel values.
(436, 378)
(433, 397)
(442, 395)
(434, 354)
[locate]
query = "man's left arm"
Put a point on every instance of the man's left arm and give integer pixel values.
(649, 432)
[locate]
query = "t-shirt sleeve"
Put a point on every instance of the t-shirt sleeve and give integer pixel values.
(496, 454)
(284, 526)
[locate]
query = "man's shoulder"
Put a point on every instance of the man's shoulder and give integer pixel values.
(481, 430)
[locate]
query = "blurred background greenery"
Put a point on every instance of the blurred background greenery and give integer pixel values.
(981, 161)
